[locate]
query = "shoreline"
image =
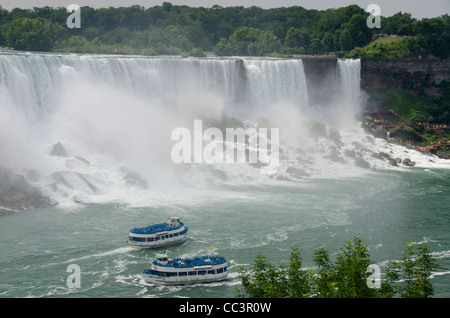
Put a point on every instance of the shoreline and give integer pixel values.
(379, 128)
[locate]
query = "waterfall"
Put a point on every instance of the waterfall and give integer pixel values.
(32, 80)
(277, 80)
(91, 124)
(348, 74)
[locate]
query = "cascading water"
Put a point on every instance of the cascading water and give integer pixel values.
(94, 125)
(348, 73)
(348, 100)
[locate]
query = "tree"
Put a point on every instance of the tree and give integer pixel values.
(297, 40)
(414, 271)
(267, 281)
(226, 30)
(248, 41)
(399, 23)
(350, 271)
(267, 43)
(345, 40)
(345, 278)
(33, 34)
(316, 46)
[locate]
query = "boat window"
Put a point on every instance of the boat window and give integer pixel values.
(156, 238)
(225, 269)
(170, 235)
(211, 272)
(182, 274)
(201, 272)
(150, 239)
(219, 270)
(192, 273)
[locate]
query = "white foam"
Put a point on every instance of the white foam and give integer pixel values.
(115, 112)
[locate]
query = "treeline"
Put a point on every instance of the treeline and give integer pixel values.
(351, 275)
(171, 29)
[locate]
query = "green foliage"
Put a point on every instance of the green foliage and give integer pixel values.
(425, 36)
(172, 29)
(32, 34)
(406, 133)
(420, 107)
(267, 281)
(345, 278)
(413, 272)
(248, 41)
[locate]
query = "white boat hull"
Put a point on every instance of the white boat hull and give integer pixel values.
(175, 280)
(157, 244)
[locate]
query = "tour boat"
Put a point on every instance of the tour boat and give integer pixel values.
(178, 271)
(158, 235)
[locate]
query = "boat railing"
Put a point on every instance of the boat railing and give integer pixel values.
(193, 262)
(155, 228)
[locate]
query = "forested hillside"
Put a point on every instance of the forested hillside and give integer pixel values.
(170, 29)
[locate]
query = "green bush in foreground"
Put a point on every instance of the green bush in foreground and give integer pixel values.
(347, 277)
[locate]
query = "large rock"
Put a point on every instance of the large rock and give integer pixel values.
(407, 162)
(317, 128)
(57, 150)
(133, 178)
(360, 162)
(335, 136)
(218, 174)
(296, 172)
(6, 212)
(74, 180)
(17, 194)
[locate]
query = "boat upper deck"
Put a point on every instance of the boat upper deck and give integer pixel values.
(191, 262)
(156, 228)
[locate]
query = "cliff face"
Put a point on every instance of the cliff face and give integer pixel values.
(320, 74)
(376, 76)
(407, 73)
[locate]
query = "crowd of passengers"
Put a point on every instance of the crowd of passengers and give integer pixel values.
(191, 262)
(155, 228)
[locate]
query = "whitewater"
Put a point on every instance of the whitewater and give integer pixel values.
(93, 133)
(114, 114)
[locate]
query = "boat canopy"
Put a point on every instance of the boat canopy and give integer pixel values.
(157, 228)
(191, 262)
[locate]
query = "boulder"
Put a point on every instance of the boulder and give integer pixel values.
(407, 162)
(360, 162)
(74, 180)
(17, 194)
(85, 161)
(335, 157)
(296, 172)
(317, 128)
(6, 212)
(218, 174)
(57, 150)
(282, 178)
(393, 162)
(132, 178)
(335, 136)
(350, 153)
